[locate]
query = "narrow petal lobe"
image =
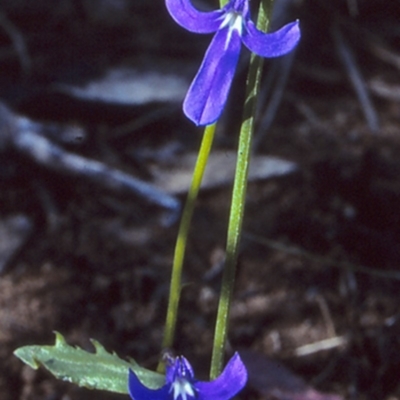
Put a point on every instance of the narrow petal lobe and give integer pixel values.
(209, 90)
(140, 392)
(273, 44)
(193, 20)
(228, 384)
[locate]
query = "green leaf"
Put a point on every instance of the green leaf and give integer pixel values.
(98, 370)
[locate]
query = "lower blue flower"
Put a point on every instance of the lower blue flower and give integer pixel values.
(182, 385)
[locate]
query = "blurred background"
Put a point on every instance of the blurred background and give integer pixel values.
(95, 160)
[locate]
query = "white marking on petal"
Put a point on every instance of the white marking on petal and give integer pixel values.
(234, 20)
(183, 388)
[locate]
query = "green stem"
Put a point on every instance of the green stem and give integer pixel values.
(237, 205)
(175, 286)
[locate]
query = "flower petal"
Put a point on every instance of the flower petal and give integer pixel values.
(271, 44)
(140, 392)
(209, 90)
(193, 20)
(179, 368)
(239, 6)
(230, 382)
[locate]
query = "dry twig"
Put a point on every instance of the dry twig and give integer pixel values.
(24, 136)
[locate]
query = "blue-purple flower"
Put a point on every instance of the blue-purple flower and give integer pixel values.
(209, 90)
(182, 385)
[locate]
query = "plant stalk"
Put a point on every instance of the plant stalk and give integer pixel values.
(180, 247)
(237, 204)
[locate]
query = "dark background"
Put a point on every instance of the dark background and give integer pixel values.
(94, 263)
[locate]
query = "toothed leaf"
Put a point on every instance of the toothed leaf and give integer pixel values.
(100, 370)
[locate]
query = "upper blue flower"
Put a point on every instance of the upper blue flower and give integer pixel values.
(182, 385)
(209, 90)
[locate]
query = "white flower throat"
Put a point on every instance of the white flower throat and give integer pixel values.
(182, 388)
(234, 20)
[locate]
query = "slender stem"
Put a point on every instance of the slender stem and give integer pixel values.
(237, 206)
(175, 286)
